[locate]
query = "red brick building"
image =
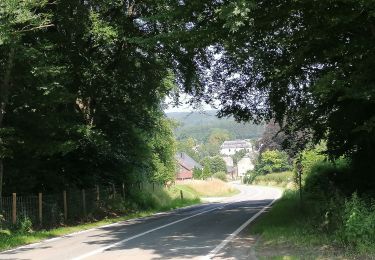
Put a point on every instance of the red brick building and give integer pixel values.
(186, 166)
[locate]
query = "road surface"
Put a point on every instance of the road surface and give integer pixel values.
(198, 232)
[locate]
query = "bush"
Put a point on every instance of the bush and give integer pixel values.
(327, 177)
(250, 176)
(143, 200)
(358, 222)
(282, 179)
(197, 173)
(220, 175)
(24, 225)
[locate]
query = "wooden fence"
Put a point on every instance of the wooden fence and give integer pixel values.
(68, 206)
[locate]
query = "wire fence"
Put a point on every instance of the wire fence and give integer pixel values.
(66, 207)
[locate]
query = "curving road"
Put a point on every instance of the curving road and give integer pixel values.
(198, 232)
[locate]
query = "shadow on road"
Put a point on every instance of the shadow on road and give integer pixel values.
(191, 238)
(188, 239)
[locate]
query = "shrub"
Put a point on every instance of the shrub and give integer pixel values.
(327, 177)
(220, 175)
(24, 225)
(282, 179)
(143, 200)
(197, 173)
(250, 176)
(358, 222)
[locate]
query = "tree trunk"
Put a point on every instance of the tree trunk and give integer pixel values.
(4, 97)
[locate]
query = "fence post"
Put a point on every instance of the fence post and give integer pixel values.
(14, 208)
(40, 204)
(181, 195)
(65, 206)
(123, 191)
(114, 190)
(84, 202)
(97, 193)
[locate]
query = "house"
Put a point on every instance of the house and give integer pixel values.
(244, 165)
(231, 147)
(186, 165)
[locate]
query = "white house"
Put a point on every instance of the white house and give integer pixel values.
(231, 147)
(244, 165)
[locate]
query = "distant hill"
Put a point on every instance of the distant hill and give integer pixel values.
(199, 125)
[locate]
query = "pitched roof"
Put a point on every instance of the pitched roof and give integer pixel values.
(235, 144)
(187, 162)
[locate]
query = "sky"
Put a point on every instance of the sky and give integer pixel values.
(185, 107)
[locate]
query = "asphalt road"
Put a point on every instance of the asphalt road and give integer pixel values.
(198, 232)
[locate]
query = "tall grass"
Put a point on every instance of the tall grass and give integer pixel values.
(208, 188)
(140, 204)
(280, 179)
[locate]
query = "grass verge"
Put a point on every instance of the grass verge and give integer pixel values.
(288, 231)
(145, 205)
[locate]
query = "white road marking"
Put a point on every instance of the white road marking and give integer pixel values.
(49, 240)
(102, 249)
(237, 231)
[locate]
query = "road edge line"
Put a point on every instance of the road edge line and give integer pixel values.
(68, 235)
(102, 249)
(229, 238)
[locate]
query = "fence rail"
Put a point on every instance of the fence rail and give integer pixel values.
(68, 206)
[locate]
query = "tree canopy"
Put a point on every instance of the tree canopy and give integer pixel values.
(80, 102)
(307, 64)
(82, 82)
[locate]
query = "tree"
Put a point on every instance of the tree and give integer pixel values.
(17, 20)
(189, 146)
(272, 138)
(272, 161)
(82, 96)
(206, 172)
(306, 64)
(238, 156)
(217, 164)
(215, 140)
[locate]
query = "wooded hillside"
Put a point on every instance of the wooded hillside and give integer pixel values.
(199, 125)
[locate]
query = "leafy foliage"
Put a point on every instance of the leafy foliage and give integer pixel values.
(80, 101)
(306, 64)
(197, 173)
(220, 175)
(217, 164)
(272, 161)
(238, 156)
(281, 179)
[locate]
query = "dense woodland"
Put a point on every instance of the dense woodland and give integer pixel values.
(200, 125)
(80, 101)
